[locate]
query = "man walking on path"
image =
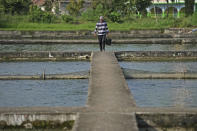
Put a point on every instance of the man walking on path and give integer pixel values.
(102, 31)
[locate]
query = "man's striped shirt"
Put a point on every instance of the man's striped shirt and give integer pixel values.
(101, 28)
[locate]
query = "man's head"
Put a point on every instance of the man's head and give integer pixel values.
(101, 18)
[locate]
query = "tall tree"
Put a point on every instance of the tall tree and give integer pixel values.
(141, 5)
(123, 6)
(189, 7)
(74, 7)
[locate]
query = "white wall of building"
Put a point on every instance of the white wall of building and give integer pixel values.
(164, 1)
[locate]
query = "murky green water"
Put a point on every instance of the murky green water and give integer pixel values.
(161, 66)
(164, 93)
(95, 47)
(33, 68)
(28, 93)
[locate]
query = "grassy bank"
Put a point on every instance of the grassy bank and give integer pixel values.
(22, 23)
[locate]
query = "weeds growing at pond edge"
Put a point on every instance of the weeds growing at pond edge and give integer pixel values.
(68, 23)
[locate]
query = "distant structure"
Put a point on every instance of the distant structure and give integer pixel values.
(64, 3)
(160, 7)
(38, 2)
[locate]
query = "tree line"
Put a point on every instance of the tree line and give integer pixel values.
(113, 9)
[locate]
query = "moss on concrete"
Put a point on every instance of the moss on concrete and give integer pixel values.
(39, 125)
(3, 124)
(167, 122)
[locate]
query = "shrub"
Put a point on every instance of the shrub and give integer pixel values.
(67, 18)
(37, 15)
(74, 7)
(115, 17)
(194, 19)
(89, 15)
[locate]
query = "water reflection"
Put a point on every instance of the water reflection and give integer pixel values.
(43, 93)
(182, 95)
(161, 66)
(33, 68)
(164, 93)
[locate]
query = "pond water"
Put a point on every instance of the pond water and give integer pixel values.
(29, 93)
(95, 47)
(164, 93)
(161, 66)
(33, 68)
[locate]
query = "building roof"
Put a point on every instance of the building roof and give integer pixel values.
(38, 2)
(164, 1)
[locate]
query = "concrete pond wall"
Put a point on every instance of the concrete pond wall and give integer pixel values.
(44, 56)
(121, 56)
(59, 118)
(163, 36)
(65, 121)
(163, 33)
(167, 122)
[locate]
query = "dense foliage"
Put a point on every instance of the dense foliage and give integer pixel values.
(38, 15)
(15, 6)
(130, 13)
(74, 7)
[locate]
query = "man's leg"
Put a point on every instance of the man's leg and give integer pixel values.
(103, 42)
(100, 42)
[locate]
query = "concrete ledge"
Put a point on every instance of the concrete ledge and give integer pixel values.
(163, 76)
(44, 56)
(156, 55)
(127, 75)
(121, 56)
(168, 122)
(76, 75)
(95, 41)
(38, 118)
(156, 119)
(162, 33)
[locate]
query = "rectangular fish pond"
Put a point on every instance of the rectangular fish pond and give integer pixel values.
(64, 92)
(164, 93)
(176, 66)
(42, 93)
(95, 47)
(33, 93)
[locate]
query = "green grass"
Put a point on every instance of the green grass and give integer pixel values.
(22, 23)
(84, 26)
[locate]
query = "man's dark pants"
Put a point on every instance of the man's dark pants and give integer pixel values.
(101, 39)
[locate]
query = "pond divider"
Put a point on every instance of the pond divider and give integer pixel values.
(80, 56)
(163, 36)
(114, 41)
(85, 75)
(44, 76)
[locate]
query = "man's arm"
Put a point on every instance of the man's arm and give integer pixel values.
(106, 28)
(96, 28)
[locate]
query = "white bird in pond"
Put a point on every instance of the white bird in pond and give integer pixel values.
(50, 56)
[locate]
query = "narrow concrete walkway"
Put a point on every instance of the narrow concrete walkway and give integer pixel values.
(109, 98)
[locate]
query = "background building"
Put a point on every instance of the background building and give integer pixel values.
(176, 8)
